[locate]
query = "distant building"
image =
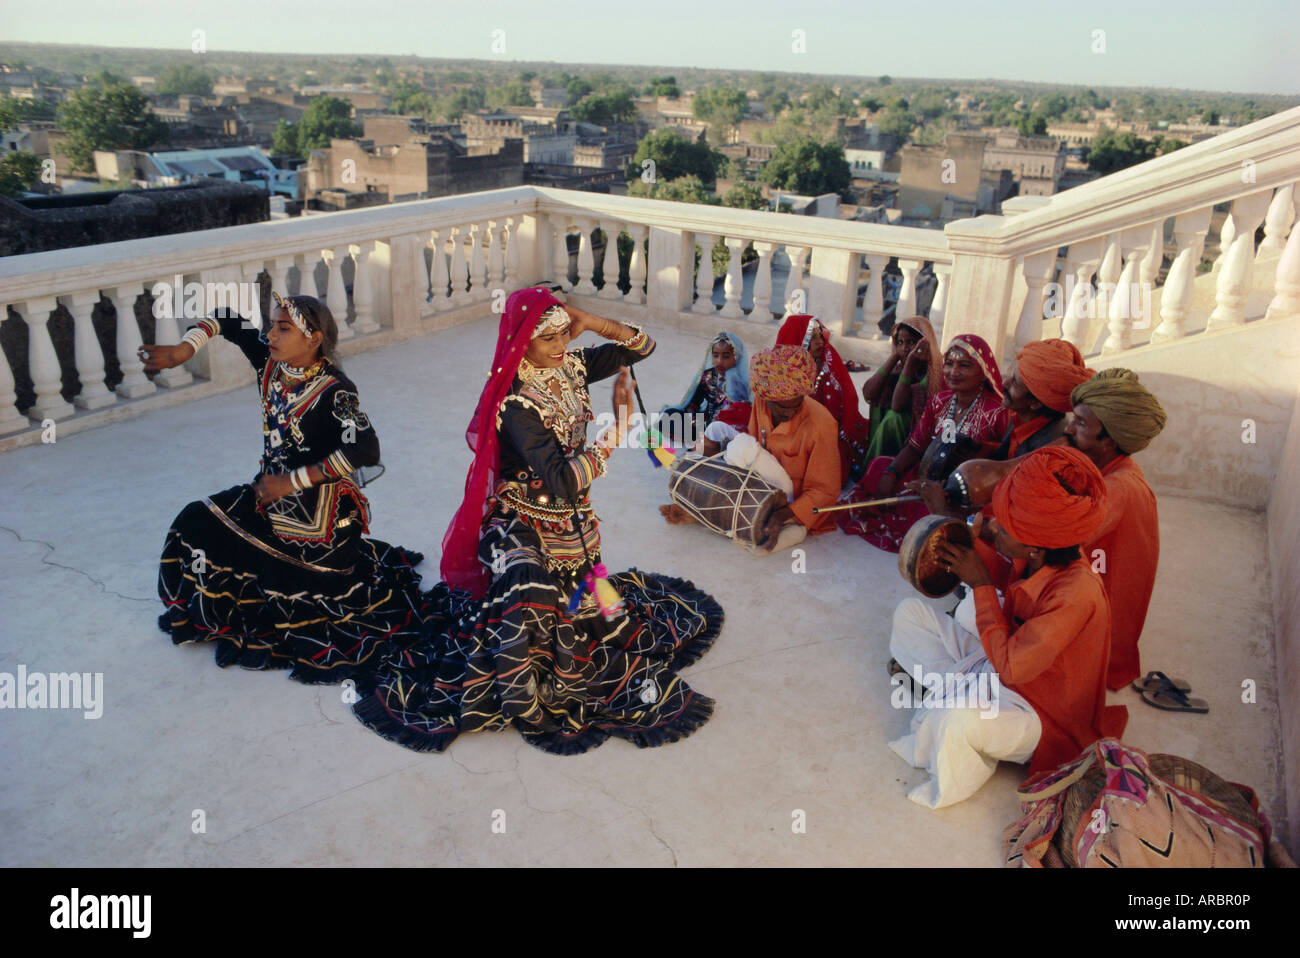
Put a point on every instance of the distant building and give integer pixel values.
(1036, 162)
(238, 164)
(944, 182)
(422, 166)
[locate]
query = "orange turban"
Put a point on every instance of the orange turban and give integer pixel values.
(782, 373)
(1055, 497)
(1050, 369)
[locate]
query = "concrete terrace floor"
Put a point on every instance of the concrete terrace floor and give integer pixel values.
(286, 776)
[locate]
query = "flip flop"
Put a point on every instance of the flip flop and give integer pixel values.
(1172, 700)
(853, 366)
(1156, 681)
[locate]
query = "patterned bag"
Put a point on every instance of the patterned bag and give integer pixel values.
(1117, 807)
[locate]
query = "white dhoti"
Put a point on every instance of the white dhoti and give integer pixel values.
(967, 720)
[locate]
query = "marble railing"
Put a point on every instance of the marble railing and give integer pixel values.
(1092, 260)
(391, 272)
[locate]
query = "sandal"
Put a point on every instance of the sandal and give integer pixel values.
(1174, 700)
(1155, 681)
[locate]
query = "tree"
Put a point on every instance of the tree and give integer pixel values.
(886, 80)
(1032, 124)
(326, 118)
(461, 102)
(110, 115)
(402, 92)
(1117, 151)
(720, 106)
(1210, 117)
(180, 78)
(663, 86)
(746, 196)
(870, 103)
(511, 94)
(1053, 107)
(803, 165)
(776, 101)
(674, 156)
(897, 123)
(575, 89)
(606, 108)
(19, 169)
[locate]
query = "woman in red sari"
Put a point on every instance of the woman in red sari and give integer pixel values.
(833, 388)
(968, 409)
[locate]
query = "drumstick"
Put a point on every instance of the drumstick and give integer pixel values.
(891, 501)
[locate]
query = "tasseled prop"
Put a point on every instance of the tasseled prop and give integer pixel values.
(661, 454)
(597, 582)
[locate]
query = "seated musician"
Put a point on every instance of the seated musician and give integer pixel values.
(1038, 395)
(798, 431)
(1045, 646)
(1116, 416)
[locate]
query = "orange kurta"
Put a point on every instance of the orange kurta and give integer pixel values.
(1050, 642)
(1129, 541)
(808, 449)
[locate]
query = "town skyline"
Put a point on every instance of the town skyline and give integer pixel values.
(1111, 44)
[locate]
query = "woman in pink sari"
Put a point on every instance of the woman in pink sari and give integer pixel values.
(966, 414)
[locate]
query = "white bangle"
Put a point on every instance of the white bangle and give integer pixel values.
(301, 480)
(196, 337)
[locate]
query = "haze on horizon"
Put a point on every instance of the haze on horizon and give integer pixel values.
(1195, 45)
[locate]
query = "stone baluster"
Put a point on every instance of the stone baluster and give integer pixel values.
(636, 270)
(943, 275)
(704, 275)
(336, 293)
(459, 268)
(250, 305)
(439, 277)
(1038, 271)
(278, 270)
(1236, 273)
(1126, 305)
(610, 229)
(1149, 268)
(1286, 299)
(1077, 323)
(907, 289)
(11, 420)
(511, 240)
(873, 303)
(477, 265)
(762, 311)
(560, 251)
(134, 382)
(1107, 276)
(796, 295)
(167, 333)
(586, 259)
(734, 284)
(1278, 219)
(363, 290)
(43, 361)
(496, 261)
(1227, 233)
(1176, 295)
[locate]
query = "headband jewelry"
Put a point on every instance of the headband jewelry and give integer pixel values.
(556, 319)
(295, 314)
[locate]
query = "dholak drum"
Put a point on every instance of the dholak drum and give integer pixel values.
(733, 501)
(916, 556)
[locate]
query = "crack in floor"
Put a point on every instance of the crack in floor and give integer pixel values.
(45, 560)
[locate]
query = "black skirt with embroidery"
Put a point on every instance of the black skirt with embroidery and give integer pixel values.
(324, 610)
(566, 681)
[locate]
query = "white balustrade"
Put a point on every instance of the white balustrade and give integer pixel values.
(1126, 302)
(938, 305)
(1278, 219)
(906, 307)
(1038, 271)
(135, 383)
(586, 259)
(762, 311)
(1190, 230)
(166, 332)
(43, 362)
(511, 240)
(459, 268)
(796, 294)
(1236, 272)
(873, 303)
(733, 285)
(560, 251)
(609, 229)
(1081, 263)
(496, 264)
(1286, 298)
(88, 356)
(336, 293)
(477, 265)
(363, 294)
(704, 275)
(439, 277)
(11, 420)
(637, 266)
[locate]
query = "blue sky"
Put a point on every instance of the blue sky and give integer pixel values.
(1245, 46)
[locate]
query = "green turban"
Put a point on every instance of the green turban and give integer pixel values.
(1128, 411)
